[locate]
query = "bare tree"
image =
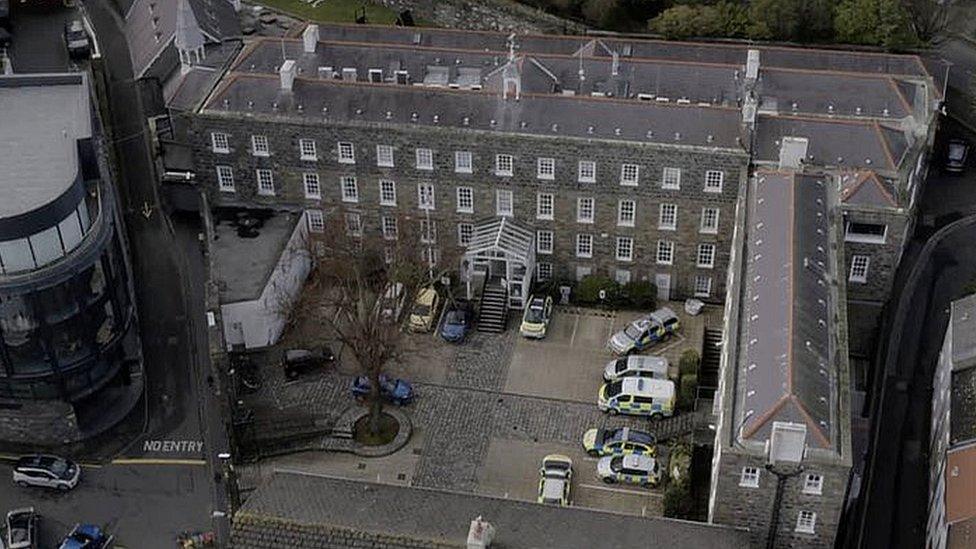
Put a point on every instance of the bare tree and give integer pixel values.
(929, 19)
(362, 284)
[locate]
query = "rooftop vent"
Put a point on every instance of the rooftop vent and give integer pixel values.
(752, 64)
(555, 127)
(376, 76)
(857, 111)
(466, 121)
(628, 50)
(437, 119)
(389, 115)
(325, 72)
(616, 131)
(787, 442)
(589, 129)
(414, 117)
(310, 38)
(792, 151)
(402, 77)
(349, 74)
(885, 112)
(417, 38)
(287, 74)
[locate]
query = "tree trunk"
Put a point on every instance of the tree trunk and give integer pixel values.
(375, 401)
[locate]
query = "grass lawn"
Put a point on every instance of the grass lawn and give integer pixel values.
(332, 11)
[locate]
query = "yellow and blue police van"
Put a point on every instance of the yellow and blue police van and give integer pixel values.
(638, 396)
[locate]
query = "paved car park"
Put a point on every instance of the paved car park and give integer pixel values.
(489, 409)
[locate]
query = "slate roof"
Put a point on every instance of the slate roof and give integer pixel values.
(962, 415)
(835, 143)
(786, 371)
(867, 188)
(148, 38)
(291, 506)
(534, 114)
(716, 53)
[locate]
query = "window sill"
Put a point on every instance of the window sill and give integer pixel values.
(712, 191)
(221, 151)
(260, 154)
(858, 280)
(628, 184)
(341, 161)
(585, 221)
(545, 217)
(619, 224)
(461, 171)
(700, 266)
(864, 239)
(228, 190)
(350, 200)
(309, 158)
(425, 169)
(388, 204)
(586, 181)
(313, 197)
(265, 193)
(667, 227)
(708, 231)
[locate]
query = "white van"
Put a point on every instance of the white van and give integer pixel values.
(636, 366)
(638, 396)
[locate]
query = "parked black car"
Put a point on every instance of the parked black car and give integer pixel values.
(297, 362)
(76, 40)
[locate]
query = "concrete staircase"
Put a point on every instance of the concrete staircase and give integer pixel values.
(493, 313)
(711, 356)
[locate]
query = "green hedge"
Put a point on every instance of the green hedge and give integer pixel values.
(633, 295)
(688, 384)
(688, 363)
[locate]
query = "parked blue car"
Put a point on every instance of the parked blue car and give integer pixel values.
(393, 389)
(87, 536)
(457, 322)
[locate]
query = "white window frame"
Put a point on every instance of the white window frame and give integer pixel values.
(312, 185)
(220, 142)
(626, 216)
(544, 242)
(629, 175)
(860, 265)
(580, 218)
(389, 228)
(545, 206)
(463, 162)
(864, 238)
(813, 484)
(315, 220)
(428, 231)
(426, 189)
(806, 522)
(546, 168)
(307, 150)
(714, 180)
(347, 152)
(671, 178)
(225, 179)
(705, 258)
(424, 159)
(504, 197)
(625, 244)
(349, 189)
(749, 478)
(357, 229)
(260, 145)
(388, 194)
(504, 165)
(664, 253)
(667, 217)
(543, 271)
(703, 286)
(706, 228)
(384, 156)
(465, 200)
(584, 245)
(586, 171)
(462, 229)
(265, 176)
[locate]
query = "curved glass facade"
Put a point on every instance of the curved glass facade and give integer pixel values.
(60, 333)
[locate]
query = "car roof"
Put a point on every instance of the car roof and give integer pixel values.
(553, 488)
(663, 314)
(638, 461)
(37, 460)
(426, 296)
(645, 386)
(640, 362)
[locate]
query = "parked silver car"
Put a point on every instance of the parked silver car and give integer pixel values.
(47, 471)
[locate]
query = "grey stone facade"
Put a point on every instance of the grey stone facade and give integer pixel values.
(288, 169)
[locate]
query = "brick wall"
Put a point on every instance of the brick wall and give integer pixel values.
(607, 191)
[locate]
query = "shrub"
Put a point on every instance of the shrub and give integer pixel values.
(588, 290)
(686, 392)
(688, 363)
(639, 294)
(677, 501)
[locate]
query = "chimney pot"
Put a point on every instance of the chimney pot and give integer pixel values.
(310, 38)
(287, 74)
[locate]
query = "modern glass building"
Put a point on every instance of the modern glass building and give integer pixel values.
(67, 318)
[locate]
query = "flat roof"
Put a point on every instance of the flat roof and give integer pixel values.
(42, 117)
(312, 507)
(243, 265)
(787, 369)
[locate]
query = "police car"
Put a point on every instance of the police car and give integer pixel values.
(636, 366)
(623, 441)
(556, 475)
(638, 396)
(631, 469)
(644, 332)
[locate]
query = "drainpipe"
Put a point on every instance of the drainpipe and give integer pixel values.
(781, 478)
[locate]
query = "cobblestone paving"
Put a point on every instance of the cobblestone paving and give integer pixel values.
(482, 362)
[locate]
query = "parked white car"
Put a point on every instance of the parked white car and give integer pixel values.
(46, 471)
(636, 366)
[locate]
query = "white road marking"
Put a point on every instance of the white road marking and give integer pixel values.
(678, 338)
(634, 492)
(572, 337)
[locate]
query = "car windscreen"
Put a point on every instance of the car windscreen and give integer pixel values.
(633, 331)
(620, 365)
(421, 310)
(454, 318)
(533, 314)
(58, 466)
(641, 438)
(613, 389)
(956, 151)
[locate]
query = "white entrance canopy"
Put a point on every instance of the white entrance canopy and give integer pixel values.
(502, 249)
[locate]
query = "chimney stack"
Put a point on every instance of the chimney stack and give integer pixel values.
(793, 152)
(310, 37)
(752, 65)
(287, 73)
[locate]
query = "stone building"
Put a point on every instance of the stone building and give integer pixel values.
(626, 157)
(952, 442)
(782, 456)
(70, 362)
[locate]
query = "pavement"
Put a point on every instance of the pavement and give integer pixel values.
(893, 508)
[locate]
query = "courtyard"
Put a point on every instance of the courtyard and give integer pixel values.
(489, 409)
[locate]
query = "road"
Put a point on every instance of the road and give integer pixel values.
(144, 505)
(896, 485)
